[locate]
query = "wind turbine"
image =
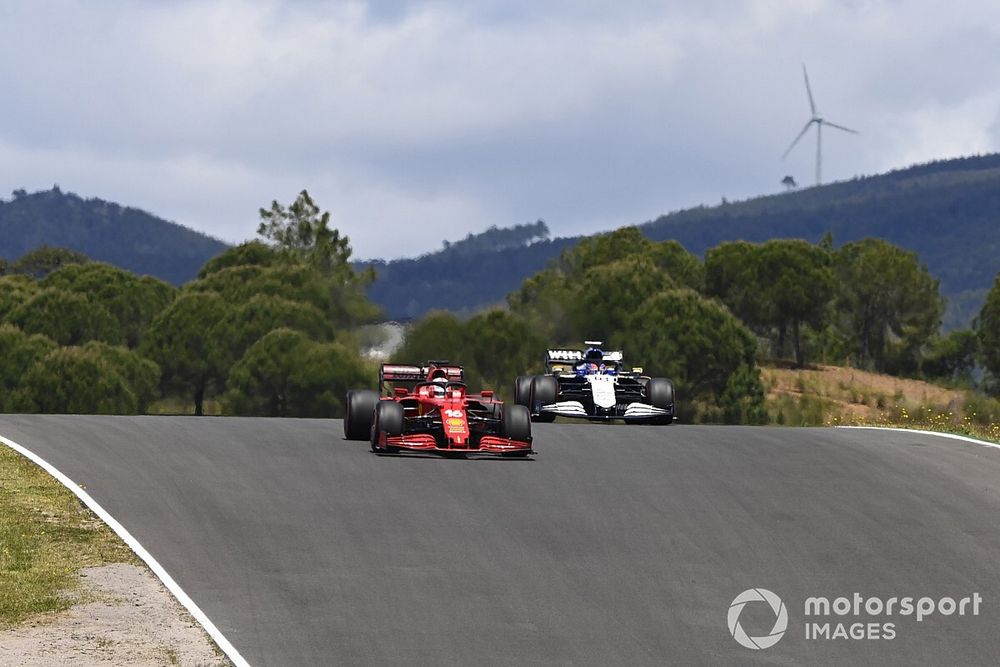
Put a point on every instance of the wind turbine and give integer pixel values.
(819, 121)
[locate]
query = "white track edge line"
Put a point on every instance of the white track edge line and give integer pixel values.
(950, 436)
(168, 581)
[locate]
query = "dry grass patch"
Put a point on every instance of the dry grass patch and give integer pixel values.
(835, 395)
(46, 536)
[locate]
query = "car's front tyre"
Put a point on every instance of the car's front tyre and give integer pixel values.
(388, 421)
(516, 425)
(360, 413)
(660, 392)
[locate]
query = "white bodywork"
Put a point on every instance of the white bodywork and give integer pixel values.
(603, 389)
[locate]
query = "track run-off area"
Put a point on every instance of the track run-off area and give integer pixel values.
(613, 545)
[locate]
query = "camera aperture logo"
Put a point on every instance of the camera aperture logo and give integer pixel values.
(780, 620)
(854, 617)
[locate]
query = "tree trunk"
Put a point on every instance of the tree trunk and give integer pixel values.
(199, 400)
(799, 361)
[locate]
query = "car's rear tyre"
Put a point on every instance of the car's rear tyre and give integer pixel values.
(522, 390)
(660, 392)
(360, 413)
(544, 390)
(388, 421)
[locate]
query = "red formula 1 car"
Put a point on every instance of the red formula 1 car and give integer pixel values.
(429, 409)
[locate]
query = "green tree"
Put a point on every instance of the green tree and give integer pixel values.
(66, 318)
(75, 380)
(141, 374)
(776, 288)
(14, 291)
(43, 261)
(303, 233)
(132, 300)
(952, 356)
(343, 307)
(988, 330)
(608, 293)
(743, 399)
(246, 323)
(697, 343)
(683, 267)
(251, 253)
(798, 286)
(499, 346)
(178, 341)
(600, 280)
(18, 353)
(304, 230)
(731, 276)
(548, 301)
(604, 249)
(438, 335)
(889, 302)
(284, 374)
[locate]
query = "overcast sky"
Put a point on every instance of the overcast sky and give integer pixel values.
(415, 122)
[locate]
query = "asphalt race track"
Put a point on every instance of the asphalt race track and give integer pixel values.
(615, 545)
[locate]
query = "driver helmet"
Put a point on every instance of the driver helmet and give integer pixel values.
(594, 354)
(440, 379)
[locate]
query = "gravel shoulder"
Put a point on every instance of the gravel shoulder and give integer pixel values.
(123, 616)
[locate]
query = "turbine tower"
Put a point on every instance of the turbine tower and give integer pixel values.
(819, 121)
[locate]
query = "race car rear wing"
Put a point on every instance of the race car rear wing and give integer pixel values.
(412, 374)
(570, 357)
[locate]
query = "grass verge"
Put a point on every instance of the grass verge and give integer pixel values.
(46, 536)
(928, 419)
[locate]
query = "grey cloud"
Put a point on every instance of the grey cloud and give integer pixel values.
(433, 119)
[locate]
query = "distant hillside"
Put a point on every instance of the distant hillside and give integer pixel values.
(477, 271)
(126, 237)
(946, 211)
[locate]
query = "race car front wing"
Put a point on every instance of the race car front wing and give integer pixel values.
(634, 410)
(488, 444)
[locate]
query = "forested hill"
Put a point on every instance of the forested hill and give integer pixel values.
(126, 237)
(946, 211)
(477, 271)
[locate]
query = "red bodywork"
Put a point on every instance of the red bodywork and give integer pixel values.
(443, 418)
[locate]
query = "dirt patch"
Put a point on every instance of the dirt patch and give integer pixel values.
(849, 393)
(124, 616)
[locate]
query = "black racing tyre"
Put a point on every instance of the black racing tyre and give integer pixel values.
(516, 423)
(360, 413)
(544, 390)
(388, 420)
(660, 392)
(522, 390)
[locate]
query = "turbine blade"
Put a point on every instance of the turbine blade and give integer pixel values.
(801, 134)
(840, 127)
(809, 92)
